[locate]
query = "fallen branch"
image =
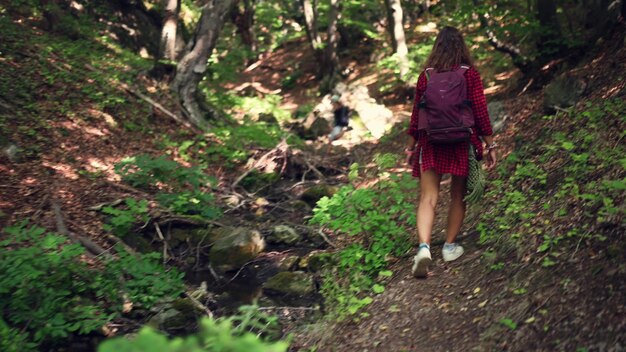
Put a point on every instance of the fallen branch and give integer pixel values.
(99, 207)
(162, 238)
(321, 233)
(147, 99)
(124, 187)
(93, 248)
(288, 308)
(199, 305)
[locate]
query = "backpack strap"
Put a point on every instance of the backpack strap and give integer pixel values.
(462, 69)
(427, 72)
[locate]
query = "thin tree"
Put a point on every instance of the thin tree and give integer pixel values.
(169, 31)
(310, 23)
(396, 32)
(243, 19)
(330, 62)
(193, 65)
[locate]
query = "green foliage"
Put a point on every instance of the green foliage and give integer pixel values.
(122, 220)
(194, 203)
(568, 174)
(234, 144)
(146, 171)
(508, 323)
(382, 217)
(47, 292)
(145, 282)
(418, 53)
(186, 197)
(223, 334)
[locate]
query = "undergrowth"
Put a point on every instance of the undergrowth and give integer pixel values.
(379, 220)
(565, 190)
(48, 291)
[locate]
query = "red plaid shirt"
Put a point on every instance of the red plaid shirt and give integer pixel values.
(453, 158)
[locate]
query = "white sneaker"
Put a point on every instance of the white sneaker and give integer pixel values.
(451, 252)
(421, 262)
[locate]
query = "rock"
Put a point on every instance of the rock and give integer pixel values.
(283, 234)
(287, 262)
(563, 92)
(280, 263)
(498, 115)
(315, 260)
(315, 193)
(320, 127)
(268, 118)
(376, 117)
(236, 248)
(193, 236)
(296, 283)
(177, 316)
(300, 205)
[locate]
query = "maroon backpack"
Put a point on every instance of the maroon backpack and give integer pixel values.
(445, 113)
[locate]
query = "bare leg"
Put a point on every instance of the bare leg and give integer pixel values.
(429, 192)
(457, 208)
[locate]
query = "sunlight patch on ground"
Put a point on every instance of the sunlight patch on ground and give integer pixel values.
(108, 119)
(65, 170)
(429, 27)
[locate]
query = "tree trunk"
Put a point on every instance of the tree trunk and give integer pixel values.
(310, 23)
(169, 31)
(330, 63)
(519, 60)
(396, 32)
(243, 19)
(192, 66)
(548, 44)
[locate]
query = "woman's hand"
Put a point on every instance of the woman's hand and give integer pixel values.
(491, 157)
(410, 154)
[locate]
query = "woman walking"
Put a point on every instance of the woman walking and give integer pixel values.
(432, 155)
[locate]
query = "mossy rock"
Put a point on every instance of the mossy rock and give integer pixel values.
(193, 236)
(315, 260)
(563, 92)
(236, 248)
(315, 193)
(283, 234)
(300, 206)
(290, 283)
(177, 316)
(288, 262)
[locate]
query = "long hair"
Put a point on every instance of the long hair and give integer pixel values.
(449, 50)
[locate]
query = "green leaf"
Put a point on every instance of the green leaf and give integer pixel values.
(567, 145)
(508, 323)
(385, 273)
(378, 289)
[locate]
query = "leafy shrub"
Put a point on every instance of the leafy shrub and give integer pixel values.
(122, 220)
(214, 335)
(573, 176)
(147, 171)
(383, 216)
(47, 292)
(192, 203)
(145, 281)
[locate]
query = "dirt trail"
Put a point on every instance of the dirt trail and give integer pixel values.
(444, 312)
